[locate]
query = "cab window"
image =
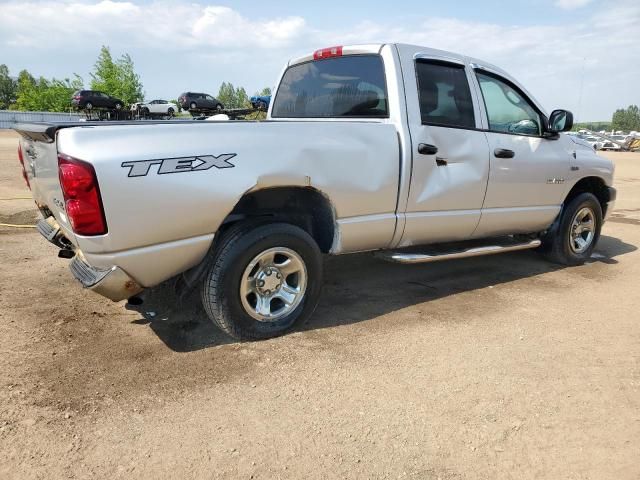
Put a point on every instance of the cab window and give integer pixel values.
(508, 111)
(443, 91)
(342, 87)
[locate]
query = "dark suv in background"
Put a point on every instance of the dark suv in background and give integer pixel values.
(89, 99)
(199, 101)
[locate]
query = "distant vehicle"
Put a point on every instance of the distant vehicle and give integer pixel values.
(90, 99)
(199, 101)
(156, 107)
(261, 102)
(593, 141)
(608, 145)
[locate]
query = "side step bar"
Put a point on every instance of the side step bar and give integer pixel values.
(401, 257)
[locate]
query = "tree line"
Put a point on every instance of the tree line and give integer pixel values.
(116, 77)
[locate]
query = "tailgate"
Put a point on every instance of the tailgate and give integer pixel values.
(40, 154)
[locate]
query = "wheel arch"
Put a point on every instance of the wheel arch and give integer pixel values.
(594, 185)
(305, 207)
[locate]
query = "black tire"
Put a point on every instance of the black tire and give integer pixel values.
(262, 106)
(557, 244)
(118, 106)
(219, 107)
(237, 247)
(193, 106)
(88, 106)
(170, 112)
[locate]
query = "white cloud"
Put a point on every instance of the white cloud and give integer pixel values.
(572, 4)
(50, 23)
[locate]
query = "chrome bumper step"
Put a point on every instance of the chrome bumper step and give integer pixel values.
(437, 255)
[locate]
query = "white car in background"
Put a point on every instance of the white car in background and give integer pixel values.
(593, 141)
(156, 108)
(609, 145)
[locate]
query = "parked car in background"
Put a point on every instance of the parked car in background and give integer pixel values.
(261, 102)
(90, 99)
(199, 101)
(155, 108)
(593, 141)
(605, 144)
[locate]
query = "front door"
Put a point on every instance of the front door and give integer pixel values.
(450, 155)
(527, 171)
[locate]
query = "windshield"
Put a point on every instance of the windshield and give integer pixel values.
(351, 86)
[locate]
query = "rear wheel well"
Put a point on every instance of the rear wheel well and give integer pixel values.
(304, 207)
(594, 185)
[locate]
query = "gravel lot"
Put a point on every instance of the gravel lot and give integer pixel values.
(497, 367)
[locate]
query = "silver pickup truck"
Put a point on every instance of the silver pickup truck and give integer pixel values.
(417, 154)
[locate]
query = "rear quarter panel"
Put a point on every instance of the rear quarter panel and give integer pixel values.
(355, 164)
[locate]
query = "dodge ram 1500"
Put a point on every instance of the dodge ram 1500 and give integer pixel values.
(415, 153)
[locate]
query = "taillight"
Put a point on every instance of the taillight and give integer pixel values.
(81, 196)
(24, 170)
(327, 53)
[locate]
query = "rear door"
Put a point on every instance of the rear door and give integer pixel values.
(450, 152)
(527, 171)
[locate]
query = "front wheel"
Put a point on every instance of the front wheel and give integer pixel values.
(577, 232)
(170, 113)
(264, 280)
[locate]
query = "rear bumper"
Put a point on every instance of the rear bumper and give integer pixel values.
(113, 283)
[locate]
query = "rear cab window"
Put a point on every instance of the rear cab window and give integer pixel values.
(352, 86)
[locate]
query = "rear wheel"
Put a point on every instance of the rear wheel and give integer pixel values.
(219, 107)
(88, 106)
(193, 106)
(170, 112)
(264, 280)
(577, 233)
(118, 106)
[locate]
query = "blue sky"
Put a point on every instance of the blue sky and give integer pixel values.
(576, 54)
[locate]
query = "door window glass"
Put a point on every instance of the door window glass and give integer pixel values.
(508, 110)
(445, 98)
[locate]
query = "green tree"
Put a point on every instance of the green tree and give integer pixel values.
(226, 95)
(44, 95)
(241, 98)
(232, 97)
(26, 92)
(117, 78)
(626, 119)
(264, 92)
(8, 88)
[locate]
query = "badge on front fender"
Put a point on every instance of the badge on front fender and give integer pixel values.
(198, 163)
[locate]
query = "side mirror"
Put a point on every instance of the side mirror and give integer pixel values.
(560, 121)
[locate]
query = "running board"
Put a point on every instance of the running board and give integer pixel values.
(401, 257)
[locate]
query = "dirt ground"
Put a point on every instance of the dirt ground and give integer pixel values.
(498, 367)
